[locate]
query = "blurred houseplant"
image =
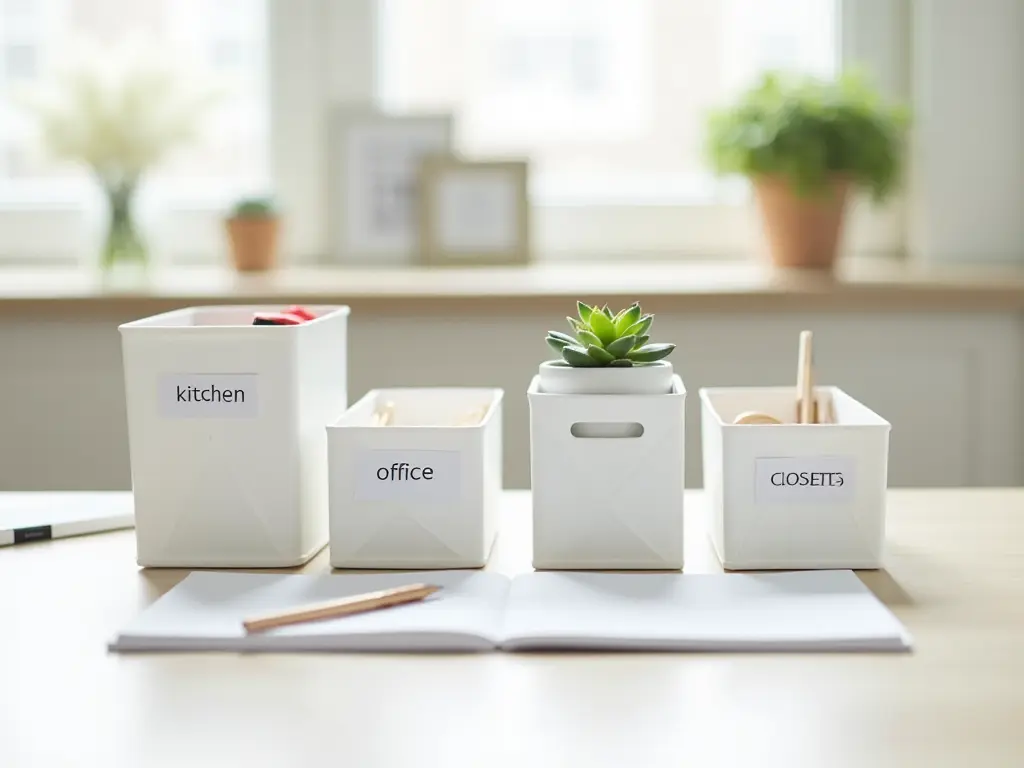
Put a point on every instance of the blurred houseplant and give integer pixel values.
(805, 142)
(119, 111)
(253, 228)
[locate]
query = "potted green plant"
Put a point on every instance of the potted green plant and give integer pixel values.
(806, 143)
(253, 229)
(607, 452)
(607, 353)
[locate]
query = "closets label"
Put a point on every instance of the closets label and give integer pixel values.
(209, 395)
(408, 475)
(805, 479)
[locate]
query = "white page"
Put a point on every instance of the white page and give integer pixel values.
(205, 612)
(801, 611)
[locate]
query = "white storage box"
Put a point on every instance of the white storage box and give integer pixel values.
(794, 495)
(422, 492)
(226, 432)
(607, 475)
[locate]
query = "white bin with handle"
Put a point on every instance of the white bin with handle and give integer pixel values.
(226, 434)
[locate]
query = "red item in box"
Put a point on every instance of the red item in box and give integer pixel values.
(300, 312)
(276, 318)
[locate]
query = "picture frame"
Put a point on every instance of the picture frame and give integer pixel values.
(374, 180)
(474, 212)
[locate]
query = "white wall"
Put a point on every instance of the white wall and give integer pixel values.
(950, 383)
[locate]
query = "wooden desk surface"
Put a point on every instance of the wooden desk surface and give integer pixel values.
(955, 576)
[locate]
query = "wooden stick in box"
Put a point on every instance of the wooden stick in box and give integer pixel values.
(383, 416)
(805, 381)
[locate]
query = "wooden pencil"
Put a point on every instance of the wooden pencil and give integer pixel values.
(345, 606)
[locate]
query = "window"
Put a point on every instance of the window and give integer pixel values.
(606, 97)
(223, 40)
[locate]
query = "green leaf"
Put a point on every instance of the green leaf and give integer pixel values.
(607, 312)
(585, 311)
(621, 346)
(650, 352)
(600, 355)
(577, 357)
(574, 324)
(619, 314)
(587, 338)
(621, 363)
(808, 132)
(563, 336)
(641, 340)
(557, 344)
(627, 318)
(601, 325)
(640, 327)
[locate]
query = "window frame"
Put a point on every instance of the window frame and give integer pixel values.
(334, 44)
(322, 53)
(62, 223)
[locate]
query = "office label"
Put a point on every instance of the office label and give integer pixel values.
(209, 396)
(408, 475)
(805, 479)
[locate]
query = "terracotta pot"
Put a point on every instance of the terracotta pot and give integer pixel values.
(801, 231)
(253, 242)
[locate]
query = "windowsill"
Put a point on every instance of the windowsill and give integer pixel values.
(868, 285)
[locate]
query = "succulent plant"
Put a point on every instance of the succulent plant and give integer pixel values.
(602, 338)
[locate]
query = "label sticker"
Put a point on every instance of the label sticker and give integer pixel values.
(805, 479)
(407, 475)
(209, 396)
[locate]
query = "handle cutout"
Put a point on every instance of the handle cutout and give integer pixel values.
(607, 429)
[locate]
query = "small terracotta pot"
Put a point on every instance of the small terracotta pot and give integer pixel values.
(802, 232)
(253, 242)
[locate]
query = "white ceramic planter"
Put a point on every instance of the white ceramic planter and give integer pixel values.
(226, 434)
(607, 469)
(794, 496)
(423, 493)
(559, 378)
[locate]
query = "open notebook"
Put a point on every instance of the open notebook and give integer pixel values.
(479, 611)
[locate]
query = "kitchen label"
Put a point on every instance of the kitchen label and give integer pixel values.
(209, 396)
(811, 479)
(404, 475)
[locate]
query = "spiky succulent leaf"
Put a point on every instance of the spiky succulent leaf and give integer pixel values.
(577, 357)
(557, 344)
(563, 336)
(640, 327)
(627, 318)
(602, 326)
(649, 353)
(603, 338)
(621, 346)
(587, 338)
